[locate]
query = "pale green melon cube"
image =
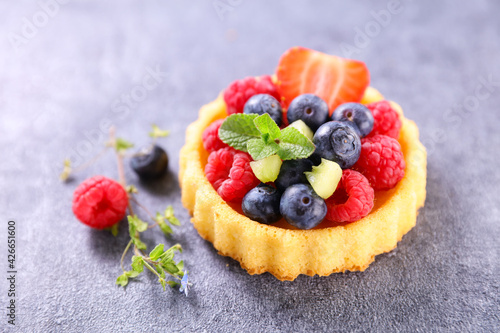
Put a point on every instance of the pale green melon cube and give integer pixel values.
(324, 178)
(267, 169)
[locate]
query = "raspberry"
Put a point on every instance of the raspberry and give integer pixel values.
(387, 120)
(211, 140)
(352, 200)
(100, 202)
(229, 172)
(239, 91)
(381, 161)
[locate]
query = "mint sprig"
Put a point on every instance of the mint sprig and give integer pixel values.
(237, 129)
(293, 144)
(261, 137)
(160, 262)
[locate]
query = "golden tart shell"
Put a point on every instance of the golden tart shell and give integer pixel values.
(280, 249)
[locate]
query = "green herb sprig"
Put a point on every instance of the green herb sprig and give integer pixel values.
(261, 137)
(159, 261)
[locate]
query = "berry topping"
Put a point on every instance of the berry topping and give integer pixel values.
(292, 172)
(324, 178)
(211, 140)
(339, 142)
(229, 172)
(150, 163)
(261, 137)
(302, 207)
(356, 113)
(238, 92)
(264, 103)
(334, 79)
(352, 200)
(262, 204)
(100, 202)
(381, 161)
(267, 169)
(309, 108)
(387, 120)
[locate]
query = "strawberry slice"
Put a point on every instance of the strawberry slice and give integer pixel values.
(336, 80)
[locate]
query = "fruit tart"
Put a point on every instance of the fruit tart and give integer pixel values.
(309, 171)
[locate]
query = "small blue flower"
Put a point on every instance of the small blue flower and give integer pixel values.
(184, 284)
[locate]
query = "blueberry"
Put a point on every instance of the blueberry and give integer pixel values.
(315, 159)
(264, 103)
(302, 207)
(356, 113)
(310, 108)
(292, 172)
(150, 163)
(339, 142)
(262, 204)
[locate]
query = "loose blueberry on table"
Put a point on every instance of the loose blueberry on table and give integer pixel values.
(150, 163)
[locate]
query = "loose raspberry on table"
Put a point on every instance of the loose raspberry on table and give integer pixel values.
(381, 161)
(229, 172)
(210, 137)
(387, 120)
(100, 202)
(352, 200)
(239, 91)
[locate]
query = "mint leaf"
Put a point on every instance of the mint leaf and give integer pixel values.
(237, 129)
(141, 226)
(160, 271)
(180, 265)
(138, 224)
(176, 247)
(174, 221)
(137, 264)
(167, 256)
(165, 228)
(159, 218)
(158, 133)
(122, 145)
(157, 252)
(163, 283)
(133, 274)
(266, 125)
(258, 149)
(140, 245)
(171, 267)
(294, 145)
(169, 215)
(173, 284)
(122, 280)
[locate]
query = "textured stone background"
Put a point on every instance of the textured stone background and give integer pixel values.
(61, 76)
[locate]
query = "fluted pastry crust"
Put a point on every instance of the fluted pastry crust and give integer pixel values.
(283, 250)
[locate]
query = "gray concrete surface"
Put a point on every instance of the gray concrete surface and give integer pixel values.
(64, 70)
